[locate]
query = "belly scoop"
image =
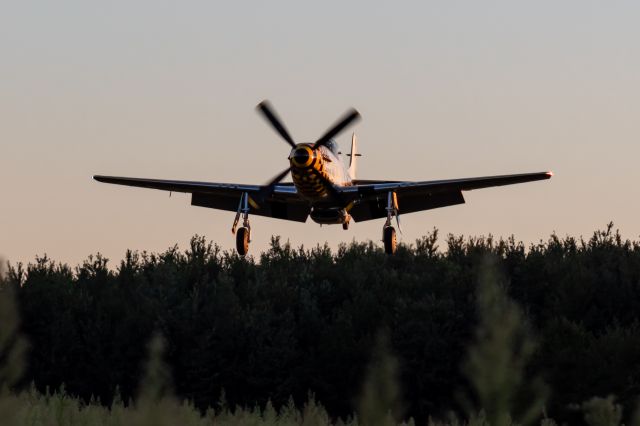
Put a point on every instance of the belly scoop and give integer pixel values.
(330, 216)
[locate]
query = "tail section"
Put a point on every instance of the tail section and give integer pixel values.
(353, 163)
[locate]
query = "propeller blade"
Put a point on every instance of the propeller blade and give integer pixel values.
(267, 190)
(269, 114)
(278, 178)
(347, 119)
(332, 189)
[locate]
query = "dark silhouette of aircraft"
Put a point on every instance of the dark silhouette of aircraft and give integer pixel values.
(324, 187)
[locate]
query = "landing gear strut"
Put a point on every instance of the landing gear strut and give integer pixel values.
(243, 236)
(388, 231)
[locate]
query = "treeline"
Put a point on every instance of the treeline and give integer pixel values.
(295, 321)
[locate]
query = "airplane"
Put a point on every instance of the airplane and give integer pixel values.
(324, 187)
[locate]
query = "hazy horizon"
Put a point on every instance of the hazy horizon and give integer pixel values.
(446, 90)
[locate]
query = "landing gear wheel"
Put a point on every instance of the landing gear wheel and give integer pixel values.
(345, 226)
(389, 238)
(242, 241)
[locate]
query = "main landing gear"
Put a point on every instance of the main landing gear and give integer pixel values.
(345, 224)
(243, 235)
(388, 231)
(389, 238)
(242, 240)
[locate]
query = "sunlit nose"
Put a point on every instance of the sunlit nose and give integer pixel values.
(302, 156)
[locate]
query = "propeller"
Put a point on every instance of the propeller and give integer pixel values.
(347, 119)
(331, 188)
(268, 112)
(267, 190)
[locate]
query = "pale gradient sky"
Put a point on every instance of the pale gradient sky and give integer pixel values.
(446, 89)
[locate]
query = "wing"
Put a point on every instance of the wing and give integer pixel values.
(284, 203)
(371, 201)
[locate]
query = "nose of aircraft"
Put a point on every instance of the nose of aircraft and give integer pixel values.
(302, 156)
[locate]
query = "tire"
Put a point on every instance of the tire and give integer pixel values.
(242, 241)
(345, 226)
(389, 238)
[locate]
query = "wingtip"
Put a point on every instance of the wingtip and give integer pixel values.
(550, 173)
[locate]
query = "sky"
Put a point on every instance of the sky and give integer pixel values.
(165, 89)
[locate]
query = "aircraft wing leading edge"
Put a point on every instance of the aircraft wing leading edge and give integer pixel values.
(426, 195)
(180, 185)
(284, 203)
(369, 196)
(432, 186)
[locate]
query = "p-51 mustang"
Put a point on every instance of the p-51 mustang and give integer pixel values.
(324, 187)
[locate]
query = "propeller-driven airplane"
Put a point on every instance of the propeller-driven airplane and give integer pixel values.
(324, 187)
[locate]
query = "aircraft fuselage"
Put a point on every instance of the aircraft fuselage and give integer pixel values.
(310, 169)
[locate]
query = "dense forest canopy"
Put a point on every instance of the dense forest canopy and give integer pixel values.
(294, 321)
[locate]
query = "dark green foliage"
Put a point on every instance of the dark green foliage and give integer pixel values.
(300, 320)
(501, 393)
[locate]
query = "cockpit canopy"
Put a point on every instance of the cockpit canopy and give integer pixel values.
(333, 146)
